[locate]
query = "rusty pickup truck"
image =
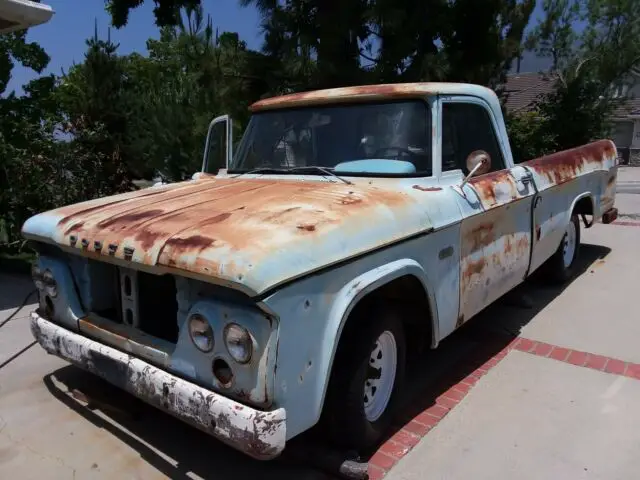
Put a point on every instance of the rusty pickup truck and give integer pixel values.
(285, 285)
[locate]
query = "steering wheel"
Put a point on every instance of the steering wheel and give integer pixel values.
(401, 151)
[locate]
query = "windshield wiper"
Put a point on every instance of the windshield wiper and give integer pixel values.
(262, 170)
(325, 170)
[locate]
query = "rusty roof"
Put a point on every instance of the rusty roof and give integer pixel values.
(370, 92)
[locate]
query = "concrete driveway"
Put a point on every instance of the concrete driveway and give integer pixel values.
(543, 392)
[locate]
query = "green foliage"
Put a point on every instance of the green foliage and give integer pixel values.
(586, 67)
(191, 75)
(321, 44)
(14, 48)
(166, 12)
(113, 119)
(24, 136)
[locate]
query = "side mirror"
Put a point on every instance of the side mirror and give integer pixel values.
(218, 148)
(478, 163)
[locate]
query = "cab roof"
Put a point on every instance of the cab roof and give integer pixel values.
(365, 93)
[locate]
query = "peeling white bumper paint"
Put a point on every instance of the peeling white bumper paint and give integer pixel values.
(261, 435)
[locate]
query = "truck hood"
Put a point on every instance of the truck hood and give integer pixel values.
(250, 234)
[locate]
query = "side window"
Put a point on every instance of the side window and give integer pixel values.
(467, 127)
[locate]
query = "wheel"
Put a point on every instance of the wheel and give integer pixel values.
(561, 265)
(366, 379)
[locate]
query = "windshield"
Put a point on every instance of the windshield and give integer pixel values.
(391, 138)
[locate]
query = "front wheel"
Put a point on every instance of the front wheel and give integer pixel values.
(561, 265)
(367, 376)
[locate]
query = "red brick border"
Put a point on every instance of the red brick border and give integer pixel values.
(578, 358)
(412, 431)
(626, 223)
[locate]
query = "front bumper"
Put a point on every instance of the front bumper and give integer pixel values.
(261, 435)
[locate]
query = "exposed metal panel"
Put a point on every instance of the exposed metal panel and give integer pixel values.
(259, 434)
(495, 244)
(563, 177)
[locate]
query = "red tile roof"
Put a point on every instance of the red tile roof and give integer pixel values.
(631, 106)
(523, 89)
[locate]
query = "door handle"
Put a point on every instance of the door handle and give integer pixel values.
(526, 177)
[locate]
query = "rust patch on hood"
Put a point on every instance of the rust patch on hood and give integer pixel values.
(225, 227)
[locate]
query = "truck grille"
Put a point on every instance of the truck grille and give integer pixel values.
(140, 300)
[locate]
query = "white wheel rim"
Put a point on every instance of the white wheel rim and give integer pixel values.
(381, 376)
(569, 244)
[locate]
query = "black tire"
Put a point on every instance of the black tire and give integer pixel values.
(344, 419)
(556, 269)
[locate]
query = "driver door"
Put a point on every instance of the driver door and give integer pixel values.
(495, 235)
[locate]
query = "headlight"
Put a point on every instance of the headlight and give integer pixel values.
(50, 285)
(36, 274)
(201, 333)
(239, 343)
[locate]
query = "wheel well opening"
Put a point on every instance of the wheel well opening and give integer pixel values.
(584, 206)
(410, 297)
(407, 294)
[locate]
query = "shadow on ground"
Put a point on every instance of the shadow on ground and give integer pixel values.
(180, 451)
(481, 339)
(172, 447)
(16, 290)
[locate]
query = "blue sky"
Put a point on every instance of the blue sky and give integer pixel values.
(73, 22)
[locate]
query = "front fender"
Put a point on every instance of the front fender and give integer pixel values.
(358, 288)
(354, 291)
(313, 314)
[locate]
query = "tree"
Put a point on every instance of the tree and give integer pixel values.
(25, 132)
(166, 12)
(14, 48)
(95, 99)
(587, 67)
(555, 36)
(329, 43)
(192, 74)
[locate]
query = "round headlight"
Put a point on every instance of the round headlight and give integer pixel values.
(50, 286)
(201, 333)
(36, 274)
(239, 343)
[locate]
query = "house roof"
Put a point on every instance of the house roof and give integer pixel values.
(21, 14)
(630, 107)
(523, 89)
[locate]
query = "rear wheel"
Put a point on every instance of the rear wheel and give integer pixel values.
(367, 375)
(560, 266)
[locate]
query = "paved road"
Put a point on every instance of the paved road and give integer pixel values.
(529, 417)
(628, 193)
